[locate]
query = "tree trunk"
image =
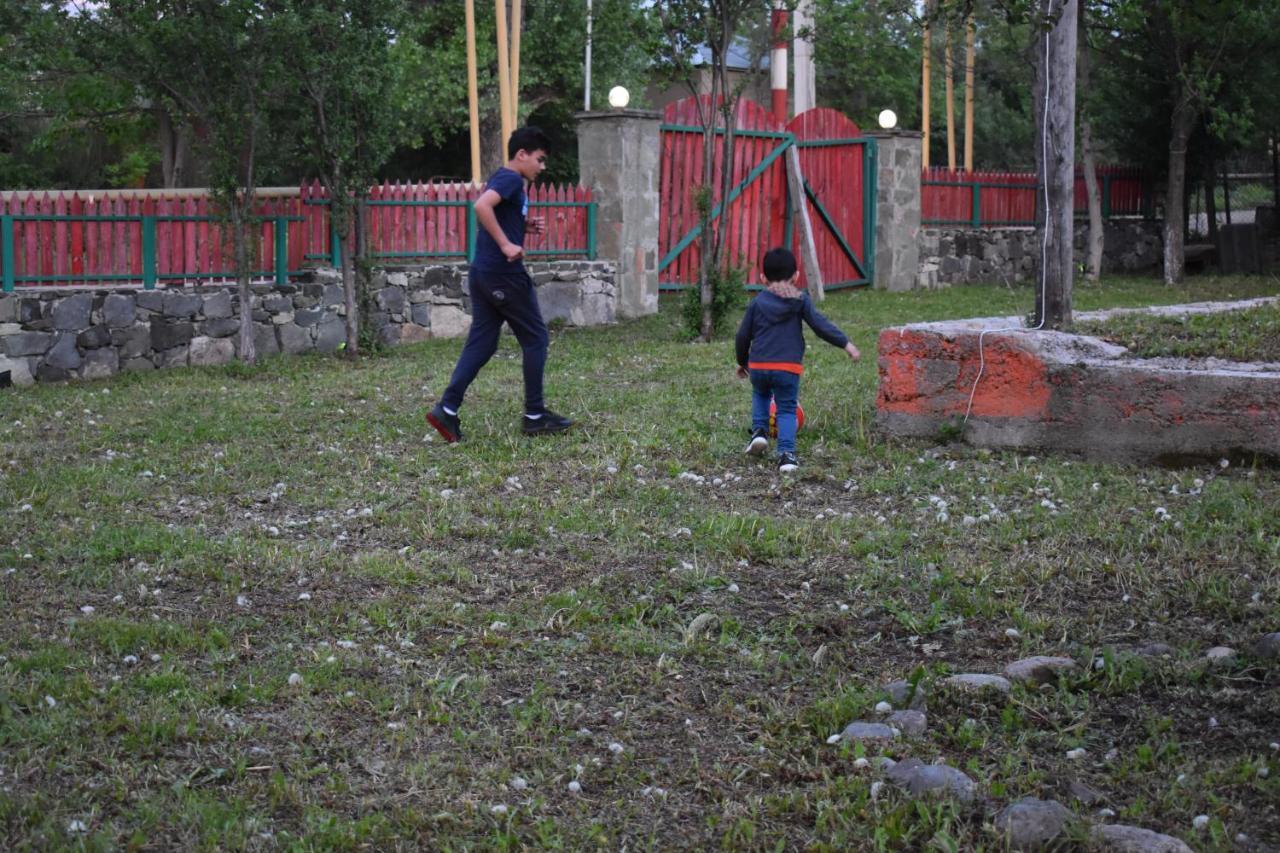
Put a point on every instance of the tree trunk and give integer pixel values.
(240, 247)
(1180, 125)
(1055, 98)
(1211, 197)
(1093, 193)
(349, 295)
(173, 150)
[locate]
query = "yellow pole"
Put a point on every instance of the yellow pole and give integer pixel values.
(951, 102)
(473, 94)
(517, 7)
(504, 76)
(924, 86)
(970, 38)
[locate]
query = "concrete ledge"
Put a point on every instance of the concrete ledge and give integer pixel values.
(1052, 390)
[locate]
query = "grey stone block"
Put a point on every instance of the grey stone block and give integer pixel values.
(421, 314)
(118, 310)
(277, 303)
(94, 337)
(166, 336)
(8, 309)
(132, 342)
(151, 300)
(332, 295)
(207, 352)
(63, 353)
(179, 304)
(172, 357)
(391, 299)
(49, 373)
(100, 364)
(293, 339)
(308, 316)
(217, 306)
(71, 314)
(221, 327)
(28, 343)
(264, 340)
(330, 335)
(136, 365)
(19, 370)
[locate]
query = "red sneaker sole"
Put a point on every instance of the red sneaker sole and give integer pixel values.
(445, 433)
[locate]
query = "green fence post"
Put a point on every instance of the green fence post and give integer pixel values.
(471, 232)
(1106, 196)
(6, 251)
(871, 189)
(149, 252)
(977, 204)
(591, 231)
(335, 243)
(282, 252)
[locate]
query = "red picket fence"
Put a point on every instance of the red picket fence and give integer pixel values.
(994, 199)
(130, 238)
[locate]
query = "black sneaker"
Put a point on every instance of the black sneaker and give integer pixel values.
(759, 442)
(449, 427)
(549, 422)
(787, 462)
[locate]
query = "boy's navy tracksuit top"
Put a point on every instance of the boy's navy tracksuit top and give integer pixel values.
(770, 337)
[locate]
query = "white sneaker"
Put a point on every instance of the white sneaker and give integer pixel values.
(759, 443)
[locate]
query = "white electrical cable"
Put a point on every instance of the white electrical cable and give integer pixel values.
(1044, 242)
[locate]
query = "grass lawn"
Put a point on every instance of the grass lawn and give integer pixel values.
(265, 609)
(1248, 335)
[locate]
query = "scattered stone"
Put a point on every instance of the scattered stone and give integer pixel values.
(884, 708)
(1083, 794)
(1200, 821)
(1154, 650)
(1039, 669)
(910, 723)
(1220, 655)
(869, 732)
(1033, 824)
(1268, 647)
(294, 679)
(1077, 753)
(936, 780)
(975, 682)
(1134, 839)
(901, 694)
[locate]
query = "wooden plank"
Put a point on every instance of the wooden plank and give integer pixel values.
(804, 229)
(76, 208)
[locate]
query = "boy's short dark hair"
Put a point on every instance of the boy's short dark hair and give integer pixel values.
(528, 138)
(779, 264)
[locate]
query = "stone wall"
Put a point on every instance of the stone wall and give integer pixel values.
(58, 333)
(962, 255)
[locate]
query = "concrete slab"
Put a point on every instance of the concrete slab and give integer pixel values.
(1003, 385)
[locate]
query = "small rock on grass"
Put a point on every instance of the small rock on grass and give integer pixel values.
(1268, 647)
(869, 732)
(910, 723)
(1154, 650)
(1083, 794)
(901, 694)
(932, 780)
(1039, 669)
(1220, 655)
(1134, 839)
(1033, 824)
(976, 682)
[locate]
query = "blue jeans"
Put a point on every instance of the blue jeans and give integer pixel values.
(498, 297)
(783, 389)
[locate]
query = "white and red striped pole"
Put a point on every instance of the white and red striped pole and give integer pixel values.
(778, 63)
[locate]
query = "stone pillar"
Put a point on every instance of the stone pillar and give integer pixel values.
(897, 208)
(618, 157)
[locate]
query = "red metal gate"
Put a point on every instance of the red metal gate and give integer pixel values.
(839, 170)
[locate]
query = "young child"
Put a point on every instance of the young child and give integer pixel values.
(770, 349)
(502, 291)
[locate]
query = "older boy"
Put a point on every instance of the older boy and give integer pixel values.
(502, 291)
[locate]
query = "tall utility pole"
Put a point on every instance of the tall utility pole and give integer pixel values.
(473, 95)
(778, 62)
(805, 97)
(924, 83)
(970, 49)
(951, 99)
(1055, 109)
(586, 71)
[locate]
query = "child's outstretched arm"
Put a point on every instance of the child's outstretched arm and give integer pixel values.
(828, 330)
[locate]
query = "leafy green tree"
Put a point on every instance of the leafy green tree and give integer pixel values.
(714, 26)
(345, 60)
(224, 67)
